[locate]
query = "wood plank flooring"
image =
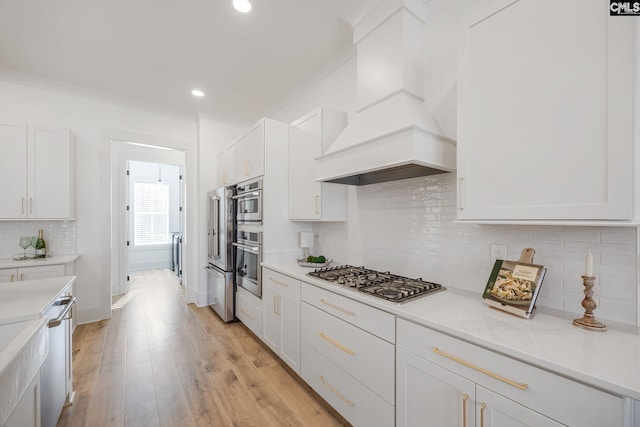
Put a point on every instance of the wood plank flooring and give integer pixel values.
(160, 362)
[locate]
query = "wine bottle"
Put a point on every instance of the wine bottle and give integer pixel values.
(41, 246)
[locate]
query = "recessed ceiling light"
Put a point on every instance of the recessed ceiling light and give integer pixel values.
(197, 92)
(242, 5)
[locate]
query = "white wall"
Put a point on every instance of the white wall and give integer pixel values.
(91, 121)
(408, 227)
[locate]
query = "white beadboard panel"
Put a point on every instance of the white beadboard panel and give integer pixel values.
(408, 227)
(60, 236)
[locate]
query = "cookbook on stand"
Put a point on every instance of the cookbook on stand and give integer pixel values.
(514, 286)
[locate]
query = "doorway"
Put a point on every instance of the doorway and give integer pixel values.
(154, 222)
(143, 229)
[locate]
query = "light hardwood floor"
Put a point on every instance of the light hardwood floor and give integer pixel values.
(160, 362)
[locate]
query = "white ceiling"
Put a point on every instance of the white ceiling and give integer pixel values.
(157, 51)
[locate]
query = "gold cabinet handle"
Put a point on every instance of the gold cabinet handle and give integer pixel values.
(21, 277)
(317, 204)
(246, 167)
(521, 386)
(224, 177)
(350, 313)
(337, 344)
(482, 408)
(336, 392)
(465, 397)
(30, 205)
(13, 276)
(278, 282)
(22, 210)
(246, 314)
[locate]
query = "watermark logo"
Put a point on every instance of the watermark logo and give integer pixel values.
(624, 8)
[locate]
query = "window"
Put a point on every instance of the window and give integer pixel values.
(151, 213)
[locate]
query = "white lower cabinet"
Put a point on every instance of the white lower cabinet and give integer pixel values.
(281, 296)
(484, 388)
(31, 273)
(249, 310)
(344, 357)
(27, 411)
(353, 400)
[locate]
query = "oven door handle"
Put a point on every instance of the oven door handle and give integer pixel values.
(245, 195)
(255, 249)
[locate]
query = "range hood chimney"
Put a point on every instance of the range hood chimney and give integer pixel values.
(392, 135)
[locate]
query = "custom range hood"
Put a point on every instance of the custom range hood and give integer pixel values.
(392, 135)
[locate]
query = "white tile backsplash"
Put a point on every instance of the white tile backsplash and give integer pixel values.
(408, 227)
(60, 236)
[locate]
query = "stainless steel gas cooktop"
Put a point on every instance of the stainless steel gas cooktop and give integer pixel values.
(382, 285)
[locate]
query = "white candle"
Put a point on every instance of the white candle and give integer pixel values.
(588, 265)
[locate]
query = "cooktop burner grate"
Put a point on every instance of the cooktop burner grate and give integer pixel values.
(379, 284)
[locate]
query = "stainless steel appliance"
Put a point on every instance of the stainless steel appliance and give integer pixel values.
(248, 259)
(382, 285)
(55, 370)
(176, 254)
(249, 202)
(220, 272)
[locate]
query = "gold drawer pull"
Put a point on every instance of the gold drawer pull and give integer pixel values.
(337, 393)
(482, 408)
(278, 282)
(337, 344)
(246, 314)
(350, 313)
(465, 397)
(484, 371)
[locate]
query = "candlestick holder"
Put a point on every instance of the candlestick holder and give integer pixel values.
(588, 321)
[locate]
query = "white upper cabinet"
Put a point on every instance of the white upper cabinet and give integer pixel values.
(13, 170)
(250, 153)
(36, 172)
(309, 138)
(545, 112)
(227, 166)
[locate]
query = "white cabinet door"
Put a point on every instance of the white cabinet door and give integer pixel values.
(41, 272)
(27, 411)
(281, 296)
(9, 275)
(427, 392)
(50, 179)
(249, 310)
(272, 320)
(309, 137)
(250, 153)
(13, 170)
(494, 410)
(227, 166)
(289, 309)
(545, 112)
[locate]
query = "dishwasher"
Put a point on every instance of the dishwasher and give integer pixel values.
(56, 368)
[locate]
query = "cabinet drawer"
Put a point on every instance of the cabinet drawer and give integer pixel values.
(286, 285)
(368, 358)
(377, 322)
(580, 405)
(355, 402)
(249, 312)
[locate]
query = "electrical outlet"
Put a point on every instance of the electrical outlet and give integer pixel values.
(498, 252)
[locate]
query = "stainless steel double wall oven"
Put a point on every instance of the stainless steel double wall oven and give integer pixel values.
(248, 245)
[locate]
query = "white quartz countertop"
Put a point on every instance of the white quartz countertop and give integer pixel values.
(29, 299)
(607, 360)
(51, 260)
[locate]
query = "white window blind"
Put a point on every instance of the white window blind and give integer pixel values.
(151, 213)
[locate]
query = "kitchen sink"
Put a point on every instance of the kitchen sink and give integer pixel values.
(23, 348)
